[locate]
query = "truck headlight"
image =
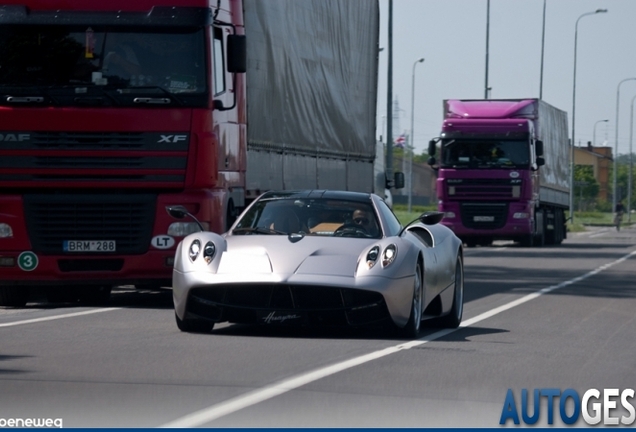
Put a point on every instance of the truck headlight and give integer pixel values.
(389, 254)
(5, 230)
(182, 229)
(521, 215)
(449, 215)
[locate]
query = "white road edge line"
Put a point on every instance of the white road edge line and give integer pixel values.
(51, 318)
(232, 405)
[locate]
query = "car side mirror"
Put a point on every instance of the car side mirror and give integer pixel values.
(237, 54)
(431, 217)
(177, 212)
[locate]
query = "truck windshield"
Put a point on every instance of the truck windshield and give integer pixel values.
(485, 154)
(44, 60)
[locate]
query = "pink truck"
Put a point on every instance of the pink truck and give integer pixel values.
(503, 171)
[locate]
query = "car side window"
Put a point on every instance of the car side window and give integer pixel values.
(393, 225)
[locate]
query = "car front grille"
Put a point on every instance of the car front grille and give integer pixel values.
(318, 305)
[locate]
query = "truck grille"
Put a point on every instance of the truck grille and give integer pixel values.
(486, 188)
(96, 159)
(484, 215)
(127, 219)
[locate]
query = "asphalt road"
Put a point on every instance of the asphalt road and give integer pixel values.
(556, 317)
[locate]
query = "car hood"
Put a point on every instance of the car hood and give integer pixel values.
(285, 255)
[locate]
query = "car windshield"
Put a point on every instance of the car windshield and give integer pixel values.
(485, 154)
(315, 217)
(48, 60)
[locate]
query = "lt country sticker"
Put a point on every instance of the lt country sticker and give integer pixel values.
(27, 261)
(162, 242)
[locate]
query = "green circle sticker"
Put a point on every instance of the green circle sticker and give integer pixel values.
(27, 261)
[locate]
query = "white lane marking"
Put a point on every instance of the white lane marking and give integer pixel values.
(70, 315)
(232, 405)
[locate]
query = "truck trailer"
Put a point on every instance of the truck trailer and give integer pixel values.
(503, 171)
(112, 111)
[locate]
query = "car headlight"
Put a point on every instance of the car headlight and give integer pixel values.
(195, 248)
(5, 230)
(372, 256)
(208, 252)
(182, 229)
(389, 254)
(521, 215)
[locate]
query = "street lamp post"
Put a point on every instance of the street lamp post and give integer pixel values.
(597, 122)
(615, 155)
(486, 88)
(411, 140)
(572, 144)
(631, 164)
(542, 49)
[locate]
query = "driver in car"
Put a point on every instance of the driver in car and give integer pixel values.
(362, 219)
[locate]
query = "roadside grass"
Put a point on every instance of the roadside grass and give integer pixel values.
(581, 219)
(401, 211)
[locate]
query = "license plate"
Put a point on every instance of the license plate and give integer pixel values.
(484, 218)
(90, 246)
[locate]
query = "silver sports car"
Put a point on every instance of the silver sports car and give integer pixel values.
(320, 258)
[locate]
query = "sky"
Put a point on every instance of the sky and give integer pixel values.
(451, 36)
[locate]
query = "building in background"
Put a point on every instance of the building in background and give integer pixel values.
(600, 158)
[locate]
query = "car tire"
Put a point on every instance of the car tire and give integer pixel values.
(454, 317)
(412, 328)
(194, 326)
(14, 296)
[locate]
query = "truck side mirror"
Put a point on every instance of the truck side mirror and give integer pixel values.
(398, 180)
(431, 148)
(540, 161)
(539, 149)
(431, 161)
(236, 54)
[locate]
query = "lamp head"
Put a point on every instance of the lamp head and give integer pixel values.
(421, 60)
(600, 11)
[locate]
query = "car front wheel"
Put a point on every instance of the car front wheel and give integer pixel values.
(454, 317)
(412, 328)
(194, 326)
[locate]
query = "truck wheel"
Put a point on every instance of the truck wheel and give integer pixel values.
(14, 296)
(61, 295)
(527, 241)
(94, 295)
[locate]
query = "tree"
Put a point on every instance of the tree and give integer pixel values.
(585, 186)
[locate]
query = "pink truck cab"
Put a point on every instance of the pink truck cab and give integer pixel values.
(503, 171)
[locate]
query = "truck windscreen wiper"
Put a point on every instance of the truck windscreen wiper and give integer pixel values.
(150, 95)
(24, 99)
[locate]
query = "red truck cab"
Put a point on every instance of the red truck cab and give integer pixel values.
(110, 112)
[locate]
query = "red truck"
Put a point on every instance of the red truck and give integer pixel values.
(112, 111)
